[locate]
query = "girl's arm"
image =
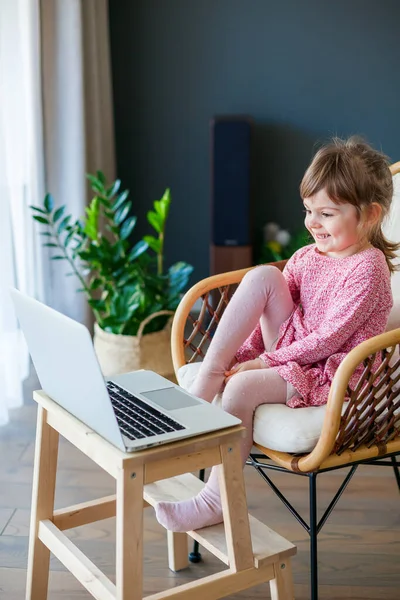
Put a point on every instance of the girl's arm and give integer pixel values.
(289, 272)
(358, 303)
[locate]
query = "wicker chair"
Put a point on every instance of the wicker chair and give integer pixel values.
(366, 430)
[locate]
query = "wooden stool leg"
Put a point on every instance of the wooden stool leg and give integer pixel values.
(177, 550)
(282, 586)
(234, 506)
(44, 484)
(129, 550)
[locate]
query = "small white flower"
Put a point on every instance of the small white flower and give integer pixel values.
(283, 237)
(270, 231)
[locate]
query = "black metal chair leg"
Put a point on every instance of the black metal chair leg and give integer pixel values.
(396, 470)
(313, 535)
(195, 556)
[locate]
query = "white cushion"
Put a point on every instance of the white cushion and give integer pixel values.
(276, 426)
(394, 316)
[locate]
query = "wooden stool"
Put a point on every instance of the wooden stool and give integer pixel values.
(253, 552)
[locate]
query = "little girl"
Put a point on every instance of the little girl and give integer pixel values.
(288, 332)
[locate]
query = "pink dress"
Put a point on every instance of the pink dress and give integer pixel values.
(339, 303)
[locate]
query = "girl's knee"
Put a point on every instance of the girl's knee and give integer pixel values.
(234, 394)
(263, 274)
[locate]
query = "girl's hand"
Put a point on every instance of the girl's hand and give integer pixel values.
(249, 365)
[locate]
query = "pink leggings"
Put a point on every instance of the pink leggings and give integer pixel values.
(262, 296)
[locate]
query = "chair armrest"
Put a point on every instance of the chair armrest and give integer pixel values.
(395, 168)
(369, 417)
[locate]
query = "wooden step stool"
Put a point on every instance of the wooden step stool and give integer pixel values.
(253, 552)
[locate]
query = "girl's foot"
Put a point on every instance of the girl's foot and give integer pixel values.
(201, 511)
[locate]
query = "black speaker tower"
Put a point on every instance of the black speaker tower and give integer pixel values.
(231, 247)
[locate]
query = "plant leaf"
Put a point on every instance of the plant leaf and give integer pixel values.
(95, 184)
(48, 202)
(158, 208)
(41, 219)
(38, 209)
(91, 227)
(178, 275)
(153, 243)
(155, 220)
(114, 187)
(127, 227)
(63, 224)
(96, 283)
(122, 213)
(137, 250)
(97, 304)
(58, 258)
(105, 202)
(120, 200)
(101, 177)
(58, 213)
(180, 268)
(69, 237)
(162, 206)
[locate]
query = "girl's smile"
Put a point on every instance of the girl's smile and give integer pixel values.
(336, 228)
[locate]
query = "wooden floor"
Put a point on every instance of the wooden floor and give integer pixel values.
(359, 545)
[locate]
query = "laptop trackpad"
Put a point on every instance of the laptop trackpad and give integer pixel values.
(170, 398)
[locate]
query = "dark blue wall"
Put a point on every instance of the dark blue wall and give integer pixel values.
(305, 70)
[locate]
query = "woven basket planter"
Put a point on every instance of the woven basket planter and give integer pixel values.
(123, 353)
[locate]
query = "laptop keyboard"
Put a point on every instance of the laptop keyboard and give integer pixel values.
(137, 419)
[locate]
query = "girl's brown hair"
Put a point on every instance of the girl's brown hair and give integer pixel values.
(352, 171)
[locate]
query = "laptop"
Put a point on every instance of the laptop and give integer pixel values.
(134, 410)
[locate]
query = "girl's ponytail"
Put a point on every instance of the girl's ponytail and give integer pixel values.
(389, 249)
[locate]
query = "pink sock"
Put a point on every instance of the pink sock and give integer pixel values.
(201, 511)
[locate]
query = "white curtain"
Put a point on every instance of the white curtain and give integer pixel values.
(78, 121)
(78, 118)
(21, 184)
(55, 125)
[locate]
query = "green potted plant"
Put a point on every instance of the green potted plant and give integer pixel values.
(131, 293)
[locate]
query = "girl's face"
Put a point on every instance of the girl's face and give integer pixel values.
(336, 228)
